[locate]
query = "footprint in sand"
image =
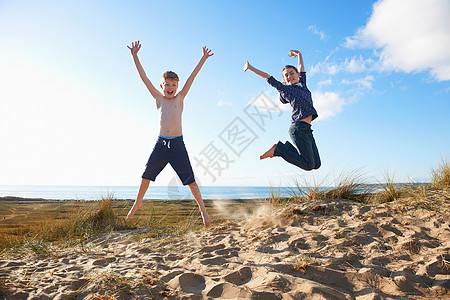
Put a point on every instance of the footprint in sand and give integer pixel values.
(168, 277)
(217, 239)
(217, 261)
(228, 291)
(389, 227)
(299, 243)
(438, 265)
(227, 253)
(212, 248)
(240, 277)
(189, 283)
(77, 284)
(145, 251)
(280, 237)
(104, 261)
(319, 237)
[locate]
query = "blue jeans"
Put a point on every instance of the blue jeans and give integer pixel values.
(307, 155)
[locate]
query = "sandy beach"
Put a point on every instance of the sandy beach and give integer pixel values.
(327, 249)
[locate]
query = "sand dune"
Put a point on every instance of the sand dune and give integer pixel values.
(319, 250)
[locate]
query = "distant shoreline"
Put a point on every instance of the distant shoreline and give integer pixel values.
(26, 199)
(94, 193)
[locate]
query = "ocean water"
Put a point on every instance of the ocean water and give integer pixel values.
(130, 192)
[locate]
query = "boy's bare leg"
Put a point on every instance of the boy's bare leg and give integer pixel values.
(138, 202)
(269, 153)
(198, 197)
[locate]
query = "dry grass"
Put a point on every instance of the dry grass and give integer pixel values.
(441, 175)
(42, 227)
(350, 186)
(353, 186)
(390, 190)
(275, 199)
(303, 262)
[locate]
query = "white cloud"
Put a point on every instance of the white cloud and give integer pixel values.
(349, 64)
(325, 82)
(365, 82)
(327, 104)
(412, 36)
(222, 102)
(324, 67)
(357, 64)
(315, 30)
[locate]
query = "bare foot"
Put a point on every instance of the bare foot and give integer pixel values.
(137, 205)
(206, 219)
(269, 153)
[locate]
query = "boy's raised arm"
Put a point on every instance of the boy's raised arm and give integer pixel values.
(206, 54)
(260, 73)
(135, 47)
(301, 65)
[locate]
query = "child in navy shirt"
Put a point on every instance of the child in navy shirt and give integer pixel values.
(294, 92)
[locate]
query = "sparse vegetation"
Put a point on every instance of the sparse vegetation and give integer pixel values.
(42, 227)
(275, 198)
(349, 186)
(390, 190)
(303, 262)
(43, 232)
(441, 175)
(353, 186)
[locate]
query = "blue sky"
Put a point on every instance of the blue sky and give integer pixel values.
(73, 110)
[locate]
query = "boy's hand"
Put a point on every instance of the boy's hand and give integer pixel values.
(294, 53)
(207, 53)
(260, 73)
(247, 66)
(135, 46)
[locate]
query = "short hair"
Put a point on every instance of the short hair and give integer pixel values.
(170, 75)
(289, 66)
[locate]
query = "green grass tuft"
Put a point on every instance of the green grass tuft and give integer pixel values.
(441, 175)
(391, 190)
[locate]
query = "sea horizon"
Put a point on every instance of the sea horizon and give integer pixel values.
(98, 192)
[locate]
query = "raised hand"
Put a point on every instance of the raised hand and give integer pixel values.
(135, 46)
(247, 66)
(207, 52)
(294, 53)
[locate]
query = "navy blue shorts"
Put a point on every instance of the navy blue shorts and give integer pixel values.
(173, 151)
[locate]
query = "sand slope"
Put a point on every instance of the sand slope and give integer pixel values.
(319, 250)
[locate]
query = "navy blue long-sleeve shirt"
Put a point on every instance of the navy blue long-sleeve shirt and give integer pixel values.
(298, 96)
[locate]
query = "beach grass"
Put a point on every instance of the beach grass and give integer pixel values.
(352, 185)
(348, 185)
(42, 226)
(441, 175)
(389, 190)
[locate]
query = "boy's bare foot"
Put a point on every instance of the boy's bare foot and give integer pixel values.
(269, 153)
(206, 219)
(137, 205)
